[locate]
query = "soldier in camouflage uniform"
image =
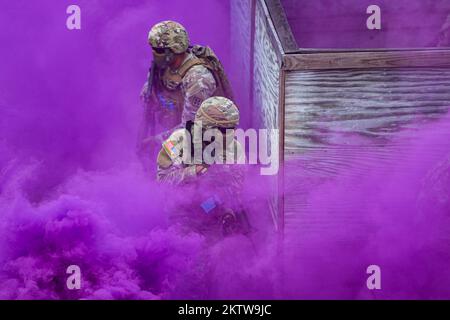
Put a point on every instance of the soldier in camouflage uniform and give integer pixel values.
(212, 206)
(183, 78)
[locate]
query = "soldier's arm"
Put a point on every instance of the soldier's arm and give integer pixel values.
(176, 175)
(198, 85)
(168, 172)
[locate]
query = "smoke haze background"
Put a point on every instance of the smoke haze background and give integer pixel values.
(396, 216)
(342, 23)
(72, 191)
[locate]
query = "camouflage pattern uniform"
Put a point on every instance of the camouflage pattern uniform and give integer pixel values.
(169, 34)
(197, 86)
(202, 186)
(215, 112)
(178, 173)
(178, 97)
(171, 171)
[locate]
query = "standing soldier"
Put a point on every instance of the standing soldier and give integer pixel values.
(180, 79)
(212, 206)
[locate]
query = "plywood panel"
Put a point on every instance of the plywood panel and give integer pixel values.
(367, 59)
(266, 70)
(267, 65)
(340, 123)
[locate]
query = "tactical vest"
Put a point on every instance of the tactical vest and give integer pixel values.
(168, 85)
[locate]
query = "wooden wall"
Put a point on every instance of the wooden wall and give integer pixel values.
(256, 53)
(267, 66)
(334, 108)
(266, 84)
(339, 123)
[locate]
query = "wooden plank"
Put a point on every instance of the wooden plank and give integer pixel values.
(348, 60)
(343, 50)
(266, 72)
(281, 110)
(281, 25)
(370, 103)
(263, 21)
(252, 59)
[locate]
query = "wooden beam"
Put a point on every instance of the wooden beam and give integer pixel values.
(282, 27)
(261, 8)
(281, 137)
(252, 60)
(366, 59)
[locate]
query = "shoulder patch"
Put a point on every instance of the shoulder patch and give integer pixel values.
(164, 160)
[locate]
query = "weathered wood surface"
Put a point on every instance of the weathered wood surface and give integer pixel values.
(348, 60)
(341, 123)
(266, 69)
(281, 25)
(342, 23)
(267, 65)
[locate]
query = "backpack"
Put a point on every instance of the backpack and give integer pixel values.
(205, 56)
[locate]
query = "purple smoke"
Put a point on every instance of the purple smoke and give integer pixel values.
(342, 23)
(392, 212)
(72, 191)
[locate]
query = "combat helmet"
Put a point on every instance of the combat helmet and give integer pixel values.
(169, 35)
(218, 112)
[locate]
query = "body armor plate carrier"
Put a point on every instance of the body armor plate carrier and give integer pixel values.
(168, 92)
